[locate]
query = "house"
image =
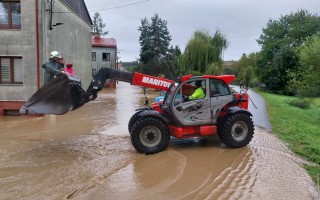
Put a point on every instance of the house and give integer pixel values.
(29, 31)
(229, 63)
(104, 54)
(228, 67)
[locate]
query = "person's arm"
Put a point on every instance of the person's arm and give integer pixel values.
(52, 69)
(196, 95)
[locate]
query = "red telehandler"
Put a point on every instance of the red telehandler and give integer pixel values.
(219, 112)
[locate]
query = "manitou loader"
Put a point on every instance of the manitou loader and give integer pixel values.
(220, 112)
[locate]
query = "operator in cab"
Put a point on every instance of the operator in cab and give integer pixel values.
(198, 93)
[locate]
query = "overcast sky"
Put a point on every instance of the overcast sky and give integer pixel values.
(241, 21)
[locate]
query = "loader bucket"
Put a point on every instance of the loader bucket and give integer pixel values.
(59, 96)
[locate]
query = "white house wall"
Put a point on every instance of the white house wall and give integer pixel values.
(98, 63)
(72, 39)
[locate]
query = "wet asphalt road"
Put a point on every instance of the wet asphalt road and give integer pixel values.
(258, 109)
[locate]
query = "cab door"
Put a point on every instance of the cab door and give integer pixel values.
(192, 112)
(220, 95)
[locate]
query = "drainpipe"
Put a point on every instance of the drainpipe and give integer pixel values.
(51, 10)
(37, 45)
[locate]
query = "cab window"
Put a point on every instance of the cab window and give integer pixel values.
(218, 88)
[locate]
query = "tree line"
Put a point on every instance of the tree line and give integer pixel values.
(289, 61)
(202, 55)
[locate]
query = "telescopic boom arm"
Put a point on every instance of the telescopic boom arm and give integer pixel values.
(134, 78)
(64, 93)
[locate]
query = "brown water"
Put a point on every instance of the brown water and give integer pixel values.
(87, 154)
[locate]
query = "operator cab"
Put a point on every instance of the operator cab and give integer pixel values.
(199, 111)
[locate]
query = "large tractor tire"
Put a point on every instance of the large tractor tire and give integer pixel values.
(236, 130)
(150, 135)
(132, 121)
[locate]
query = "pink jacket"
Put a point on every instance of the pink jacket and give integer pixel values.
(69, 70)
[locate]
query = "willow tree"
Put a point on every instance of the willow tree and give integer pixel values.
(203, 50)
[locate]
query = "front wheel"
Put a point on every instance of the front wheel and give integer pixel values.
(236, 130)
(149, 135)
(132, 121)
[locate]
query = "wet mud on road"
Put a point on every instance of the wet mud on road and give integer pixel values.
(87, 154)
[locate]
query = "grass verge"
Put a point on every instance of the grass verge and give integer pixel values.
(298, 127)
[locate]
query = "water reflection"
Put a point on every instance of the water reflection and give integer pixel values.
(126, 99)
(116, 106)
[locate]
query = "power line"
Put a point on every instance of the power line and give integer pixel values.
(126, 5)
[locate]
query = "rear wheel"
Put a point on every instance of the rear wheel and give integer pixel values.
(149, 135)
(236, 130)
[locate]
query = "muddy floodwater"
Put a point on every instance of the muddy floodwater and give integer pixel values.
(87, 154)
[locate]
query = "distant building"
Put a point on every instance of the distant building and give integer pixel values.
(29, 31)
(104, 54)
(228, 67)
(228, 63)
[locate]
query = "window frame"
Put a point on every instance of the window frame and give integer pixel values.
(218, 88)
(105, 58)
(10, 25)
(94, 56)
(12, 69)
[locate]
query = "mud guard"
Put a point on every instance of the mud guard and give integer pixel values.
(152, 113)
(59, 96)
(234, 109)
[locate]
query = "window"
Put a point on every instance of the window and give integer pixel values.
(218, 88)
(106, 57)
(11, 70)
(10, 14)
(93, 56)
(94, 72)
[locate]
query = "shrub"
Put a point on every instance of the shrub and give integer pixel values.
(300, 103)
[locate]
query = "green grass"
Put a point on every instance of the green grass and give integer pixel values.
(299, 128)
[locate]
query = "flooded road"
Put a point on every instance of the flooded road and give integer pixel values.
(87, 154)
